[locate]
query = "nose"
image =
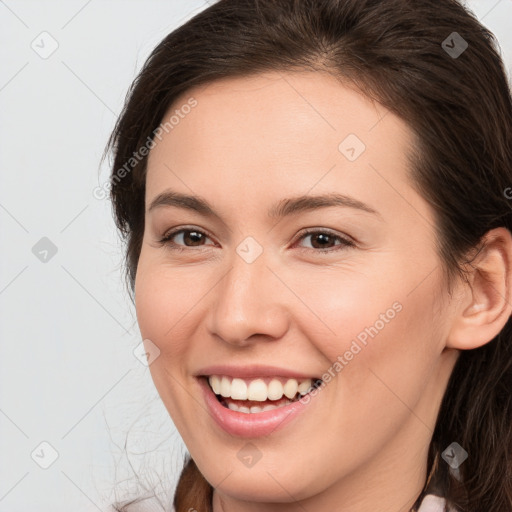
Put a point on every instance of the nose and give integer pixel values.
(248, 303)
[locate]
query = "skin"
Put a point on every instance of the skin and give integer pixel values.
(249, 143)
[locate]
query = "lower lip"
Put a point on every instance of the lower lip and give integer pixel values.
(247, 424)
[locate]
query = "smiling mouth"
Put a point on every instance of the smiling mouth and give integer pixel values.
(252, 396)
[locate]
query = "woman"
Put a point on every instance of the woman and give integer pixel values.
(315, 196)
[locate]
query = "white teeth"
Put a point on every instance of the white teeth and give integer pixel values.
(291, 388)
(275, 390)
(255, 408)
(238, 389)
(304, 387)
(225, 387)
(215, 383)
(257, 390)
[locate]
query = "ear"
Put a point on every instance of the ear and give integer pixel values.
(486, 302)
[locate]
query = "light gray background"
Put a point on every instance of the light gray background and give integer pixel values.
(69, 376)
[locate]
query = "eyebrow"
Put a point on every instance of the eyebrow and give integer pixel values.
(283, 208)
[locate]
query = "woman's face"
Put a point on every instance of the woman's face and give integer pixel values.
(242, 292)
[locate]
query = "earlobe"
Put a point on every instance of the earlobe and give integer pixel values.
(486, 302)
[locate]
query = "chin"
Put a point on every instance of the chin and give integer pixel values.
(262, 483)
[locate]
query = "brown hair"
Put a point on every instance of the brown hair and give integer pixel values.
(458, 107)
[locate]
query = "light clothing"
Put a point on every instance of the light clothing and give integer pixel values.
(433, 503)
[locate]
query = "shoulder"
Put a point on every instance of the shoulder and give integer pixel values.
(433, 503)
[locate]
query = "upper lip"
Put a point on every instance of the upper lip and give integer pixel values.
(252, 371)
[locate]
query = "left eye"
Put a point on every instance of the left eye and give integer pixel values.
(325, 238)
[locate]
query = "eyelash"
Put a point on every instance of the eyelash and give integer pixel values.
(345, 242)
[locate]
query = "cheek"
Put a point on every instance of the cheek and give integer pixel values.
(364, 321)
(345, 305)
(163, 307)
(162, 302)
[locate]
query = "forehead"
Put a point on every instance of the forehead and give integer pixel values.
(288, 132)
(282, 108)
